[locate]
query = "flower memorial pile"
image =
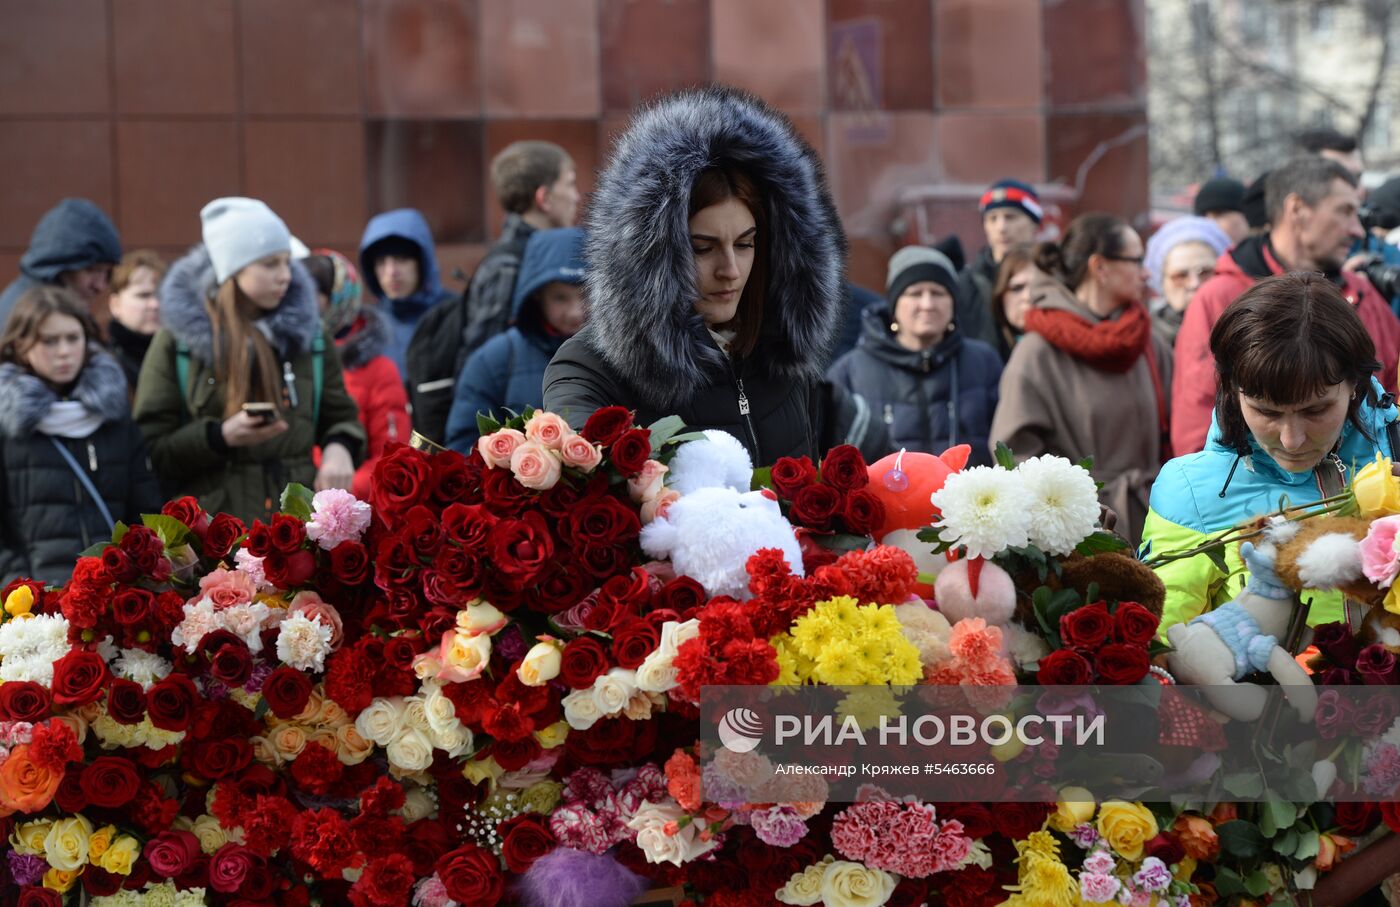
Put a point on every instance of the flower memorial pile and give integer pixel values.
(476, 689)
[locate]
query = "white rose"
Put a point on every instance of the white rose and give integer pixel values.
(411, 751)
(638, 708)
(540, 665)
(380, 722)
(614, 690)
(480, 617)
(210, 833)
(415, 715)
(846, 884)
(455, 741)
(439, 710)
(804, 889)
(580, 710)
(650, 821)
(417, 804)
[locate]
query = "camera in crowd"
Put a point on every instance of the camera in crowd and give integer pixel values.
(1385, 277)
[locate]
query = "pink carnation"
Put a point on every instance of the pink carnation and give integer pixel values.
(973, 641)
(1380, 560)
(898, 837)
(337, 516)
(1097, 888)
(778, 826)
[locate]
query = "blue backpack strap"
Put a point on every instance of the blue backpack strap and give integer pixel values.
(318, 368)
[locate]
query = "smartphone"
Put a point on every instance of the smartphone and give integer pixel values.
(262, 413)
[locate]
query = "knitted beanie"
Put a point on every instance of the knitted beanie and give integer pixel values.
(1219, 194)
(240, 231)
(915, 264)
(1172, 234)
(1012, 194)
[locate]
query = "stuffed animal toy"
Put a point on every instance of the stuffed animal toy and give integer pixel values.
(975, 588)
(710, 534)
(1324, 553)
(1217, 649)
(717, 461)
(904, 482)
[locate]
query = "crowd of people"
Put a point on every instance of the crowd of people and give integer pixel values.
(1238, 352)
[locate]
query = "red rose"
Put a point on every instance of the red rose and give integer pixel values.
(816, 505)
(469, 525)
(1134, 624)
(1087, 627)
(976, 819)
(602, 521)
(126, 701)
(631, 451)
(471, 875)
(520, 549)
(420, 525)
(503, 494)
(78, 678)
(1018, 820)
(633, 642)
(170, 703)
(131, 606)
(259, 542)
(1356, 819)
(287, 571)
(99, 883)
(119, 564)
(402, 478)
(524, 839)
(1166, 847)
(24, 700)
(1121, 664)
(224, 530)
(680, 595)
(287, 691)
(30, 896)
(454, 476)
(864, 512)
(603, 561)
(395, 563)
(230, 866)
(559, 590)
(110, 781)
(582, 662)
(218, 759)
(560, 501)
(230, 662)
(792, 474)
(349, 563)
(1064, 667)
(188, 511)
(1390, 814)
(844, 468)
(606, 425)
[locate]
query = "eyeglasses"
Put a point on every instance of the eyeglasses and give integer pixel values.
(1130, 259)
(1183, 278)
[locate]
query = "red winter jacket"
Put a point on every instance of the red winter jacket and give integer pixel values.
(1193, 381)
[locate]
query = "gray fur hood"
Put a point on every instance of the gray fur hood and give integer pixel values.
(25, 399)
(641, 281)
(290, 328)
(369, 341)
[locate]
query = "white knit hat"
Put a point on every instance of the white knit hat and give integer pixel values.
(239, 231)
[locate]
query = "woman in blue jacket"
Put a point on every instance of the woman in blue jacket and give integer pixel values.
(507, 372)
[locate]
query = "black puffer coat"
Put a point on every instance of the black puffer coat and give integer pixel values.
(48, 516)
(644, 345)
(928, 400)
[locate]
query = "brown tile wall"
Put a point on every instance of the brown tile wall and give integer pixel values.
(332, 110)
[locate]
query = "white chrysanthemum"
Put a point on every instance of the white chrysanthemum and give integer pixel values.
(985, 509)
(1064, 507)
(304, 643)
(29, 647)
(141, 667)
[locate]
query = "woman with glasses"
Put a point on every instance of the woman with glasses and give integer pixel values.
(1089, 379)
(1180, 257)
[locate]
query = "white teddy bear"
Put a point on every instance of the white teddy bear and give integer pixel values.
(718, 524)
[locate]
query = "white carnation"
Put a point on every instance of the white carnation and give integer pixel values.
(304, 643)
(141, 667)
(246, 622)
(985, 509)
(1064, 508)
(29, 647)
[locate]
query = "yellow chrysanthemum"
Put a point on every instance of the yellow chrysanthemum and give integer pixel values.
(840, 664)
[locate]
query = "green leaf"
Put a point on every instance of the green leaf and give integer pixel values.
(119, 532)
(1087, 464)
(171, 531)
(296, 501)
(261, 709)
(1217, 557)
(1228, 882)
(1309, 842)
(1286, 843)
(1257, 883)
(1100, 543)
(1282, 813)
(686, 438)
(1241, 840)
(663, 430)
(762, 478)
(95, 550)
(486, 424)
(1005, 459)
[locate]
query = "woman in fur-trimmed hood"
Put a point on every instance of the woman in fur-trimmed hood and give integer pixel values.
(716, 263)
(65, 424)
(240, 326)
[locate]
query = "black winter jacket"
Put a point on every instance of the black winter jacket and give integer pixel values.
(930, 400)
(974, 316)
(49, 517)
(644, 345)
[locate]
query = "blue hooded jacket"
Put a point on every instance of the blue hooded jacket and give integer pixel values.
(404, 314)
(72, 235)
(508, 370)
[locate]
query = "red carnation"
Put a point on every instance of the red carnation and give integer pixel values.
(316, 769)
(387, 881)
(606, 425)
(54, 745)
(631, 451)
(324, 841)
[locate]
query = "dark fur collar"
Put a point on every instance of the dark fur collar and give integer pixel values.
(371, 339)
(290, 327)
(25, 399)
(641, 283)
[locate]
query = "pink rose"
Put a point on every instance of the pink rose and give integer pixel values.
(498, 447)
(171, 852)
(313, 606)
(535, 466)
(1379, 559)
(229, 866)
(659, 506)
(581, 454)
(226, 588)
(646, 484)
(547, 429)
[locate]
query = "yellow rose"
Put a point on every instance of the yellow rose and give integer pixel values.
(846, 884)
(1392, 599)
(1126, 827)
(1005, 752)
(313, 705)
(1076, 807)
(66, 844)
(479, 770)
(29, 837)
(100, 841)
(1377, 490)
(327, 738)
(540, 665)
(19, 602)
(553, 735)
(121, 855)
(804, 889)
(330, 713)
(353, 749)
(60, 880)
